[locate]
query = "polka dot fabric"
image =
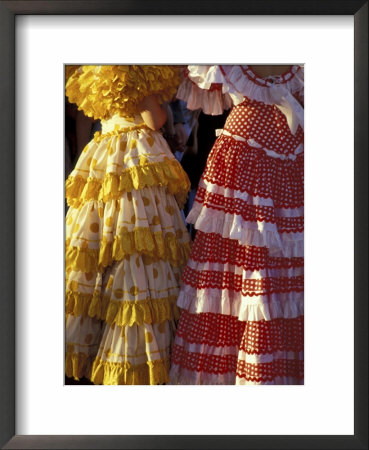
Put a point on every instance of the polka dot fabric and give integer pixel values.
(242, 290)
(126, 246)
(236, 165)
(266, 125)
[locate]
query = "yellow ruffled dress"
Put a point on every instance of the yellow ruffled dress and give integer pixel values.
(126, 241)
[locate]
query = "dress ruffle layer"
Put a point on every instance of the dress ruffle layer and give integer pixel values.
(84, 336)
(214, 248)
(248, 196)
(154, 245)
(220, 349)
(167, 173)
(207, 220)
(126, 244)
(129, 354)
(134, 354)
(264, 307)
(122, 312)
(222, 367)
(147, 222)
(249, 283)
(238, 166)
(78, 365)
(102, 91)
(250, 209)
(126, 159)
(152, 372)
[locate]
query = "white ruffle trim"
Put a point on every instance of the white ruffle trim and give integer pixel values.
(241, 86)
(265, 358)
(249, 358)
(239, 270)
(206, 349)
(211, 102)
(260, 234)
(221, 301)
(236, 85)
(212, 188)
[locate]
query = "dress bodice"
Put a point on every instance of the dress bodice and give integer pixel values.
(263, 126)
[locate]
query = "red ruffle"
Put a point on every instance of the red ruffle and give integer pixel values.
(203, 362)
(267, 372)
(218, 330)
(256, 338)
(250, 213)
(212, 247)
(234, 282)
(236, 165)
(221, 364)
(269, 336)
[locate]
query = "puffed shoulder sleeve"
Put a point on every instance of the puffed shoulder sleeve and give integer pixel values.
(206, 88)
(162, 81)
(83, 87)
(102, 91)
(69, 71)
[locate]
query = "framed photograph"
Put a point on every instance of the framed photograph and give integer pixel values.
(38, 410)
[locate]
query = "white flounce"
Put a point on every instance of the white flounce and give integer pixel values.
(221, 301)
(241, 271)
(211, 102)
(151, 209)
(250, 199)
(260, 234)
(181, 375)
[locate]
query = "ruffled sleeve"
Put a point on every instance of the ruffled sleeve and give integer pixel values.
(205, 87)
(103, 91)
(216, 88)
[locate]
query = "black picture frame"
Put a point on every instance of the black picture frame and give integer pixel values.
(8, 11)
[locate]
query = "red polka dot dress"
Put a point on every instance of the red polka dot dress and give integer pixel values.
(242, 290)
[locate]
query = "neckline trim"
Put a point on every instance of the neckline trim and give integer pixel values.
(277, 79)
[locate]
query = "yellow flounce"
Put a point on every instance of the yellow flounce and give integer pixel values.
(122, 313)
(154, 245)
(167, 173)
(78, 365)
(109, 373)
(102, 91)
